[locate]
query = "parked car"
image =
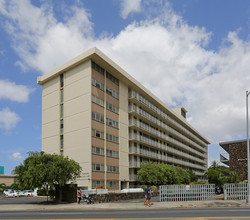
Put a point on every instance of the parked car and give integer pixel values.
(12, 193)
(6, 191)
(20, 193)
(219, 190)
(28, 193)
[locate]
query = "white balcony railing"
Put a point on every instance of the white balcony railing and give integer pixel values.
(133, 177)
(135, 95)
(159, 123)
(133, 136)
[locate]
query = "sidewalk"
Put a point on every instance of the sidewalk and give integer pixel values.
(127, 205)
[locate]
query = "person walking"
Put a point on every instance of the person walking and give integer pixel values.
(79, 195)
(148, 196)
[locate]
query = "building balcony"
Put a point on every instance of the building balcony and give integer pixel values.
(146, 153)
(133, 177)
(139, 99)
(199, 173)
(134, 122)
(165, 158)
(134, 164)
(133, 136)
(224, 158)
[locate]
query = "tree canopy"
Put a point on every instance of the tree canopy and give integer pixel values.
(41, 170)
(161, 174)
(219, 175)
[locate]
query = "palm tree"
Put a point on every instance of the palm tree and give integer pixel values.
(214, 164)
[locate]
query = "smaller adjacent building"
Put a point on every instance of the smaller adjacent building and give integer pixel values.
(8, 179)
(236, 157)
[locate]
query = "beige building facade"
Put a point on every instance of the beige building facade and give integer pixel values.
(97, 114)
(8, 179)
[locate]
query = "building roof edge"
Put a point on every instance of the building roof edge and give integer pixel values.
(95, 51)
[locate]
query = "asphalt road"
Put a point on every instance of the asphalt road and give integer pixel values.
(212, 213)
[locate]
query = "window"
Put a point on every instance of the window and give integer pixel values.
(112, 138)
(112, 153)
(61, 125)
(98, 134)
(112, 92)
(96, 183)
(61, 110)
(97, 167)
(61, 80)
(61, 141)
(97, 84)
(112, 184)
(97, 150)
(61, 95)
(112, 78)
(97, 117)
(97, 68)
(113, 169)
(111, 122)
(97, 100)
(112, 107)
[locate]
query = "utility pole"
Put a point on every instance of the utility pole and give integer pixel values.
(248, 161)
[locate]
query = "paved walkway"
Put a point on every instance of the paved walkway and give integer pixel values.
(127, 205)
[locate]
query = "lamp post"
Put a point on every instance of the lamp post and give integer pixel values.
(248, 161)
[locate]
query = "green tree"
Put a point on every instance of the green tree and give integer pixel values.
(41, 170)
(150, 174)
(183, 176)
(162, 174)
(2, 187)
(214, 164)
(219, 175)
(193, 176)
(171, 175)
(16, 186)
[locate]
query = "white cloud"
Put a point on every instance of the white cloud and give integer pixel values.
(164, 53)
(50, 38)
(8, 119)
(16, 156)
(129, 6)
(17, 93)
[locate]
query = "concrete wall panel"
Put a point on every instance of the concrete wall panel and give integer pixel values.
(50, 129)
(50, 100)
(50, 114)
(50, 145)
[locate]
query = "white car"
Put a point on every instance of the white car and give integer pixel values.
(20, 193)
(6, 191)
(12, 193)
(28, 193)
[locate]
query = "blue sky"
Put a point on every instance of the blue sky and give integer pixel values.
(187, 52)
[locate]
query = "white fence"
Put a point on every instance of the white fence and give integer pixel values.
(235, 191)
(170, 193)
(95, 191)
(131, 190)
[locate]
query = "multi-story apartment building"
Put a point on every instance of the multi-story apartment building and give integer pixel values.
(97, 114)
